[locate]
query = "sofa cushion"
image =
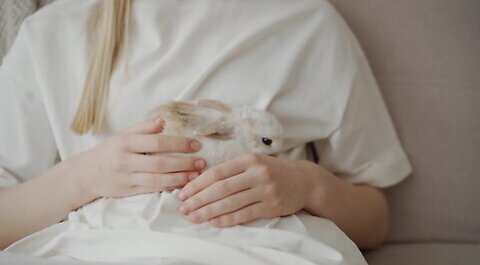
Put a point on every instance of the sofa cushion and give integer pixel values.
(427, 253)
(426, 56)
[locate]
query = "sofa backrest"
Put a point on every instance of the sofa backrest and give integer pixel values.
(426, 57)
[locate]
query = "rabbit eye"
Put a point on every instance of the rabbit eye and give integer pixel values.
(267, 141)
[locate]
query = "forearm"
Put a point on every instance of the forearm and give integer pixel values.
(361, 211)
(115, 168)
(38, 203)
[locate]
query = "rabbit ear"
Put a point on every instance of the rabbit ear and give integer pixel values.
(205, 118)
(222, 130)
(181, 113)
(214, 104)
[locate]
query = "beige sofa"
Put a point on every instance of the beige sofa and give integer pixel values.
(426, 56)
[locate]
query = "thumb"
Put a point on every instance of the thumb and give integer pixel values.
(148, 126)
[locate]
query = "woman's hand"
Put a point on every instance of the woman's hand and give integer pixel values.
(247, 188)
(118, 167)
(138, 160)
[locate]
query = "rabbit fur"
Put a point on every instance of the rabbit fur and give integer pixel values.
(223, 131)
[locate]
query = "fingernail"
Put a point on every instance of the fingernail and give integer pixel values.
(215, 223)
(182, 209)
(182, 196)
(192, 176)
(194, 218)
(195, 145)
(200, 164)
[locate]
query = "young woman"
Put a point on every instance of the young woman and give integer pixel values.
(80, 72)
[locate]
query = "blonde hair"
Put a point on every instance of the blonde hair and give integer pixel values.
(109, 34)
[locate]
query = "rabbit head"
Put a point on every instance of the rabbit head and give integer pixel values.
(262, 131)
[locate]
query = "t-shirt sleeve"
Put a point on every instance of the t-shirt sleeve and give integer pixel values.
(365, 147)
(27, 146)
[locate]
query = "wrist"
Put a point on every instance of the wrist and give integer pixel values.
(84, 189)
(322, 190)
(77, 185)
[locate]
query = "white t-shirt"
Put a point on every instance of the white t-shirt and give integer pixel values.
(297, 59)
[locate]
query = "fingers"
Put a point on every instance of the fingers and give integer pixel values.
(147, 127)
(216, 192)
(136, 190)
(160, 182)
(212, 175)
(158, 143)
(244, 215)
(164, 164)
(224, 206)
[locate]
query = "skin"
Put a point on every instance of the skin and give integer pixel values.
(117, 168)
(253, 187)
(139, 160)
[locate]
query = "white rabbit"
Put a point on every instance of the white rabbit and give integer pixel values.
(224, 132)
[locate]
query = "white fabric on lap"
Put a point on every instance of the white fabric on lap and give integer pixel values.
(149, 228)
